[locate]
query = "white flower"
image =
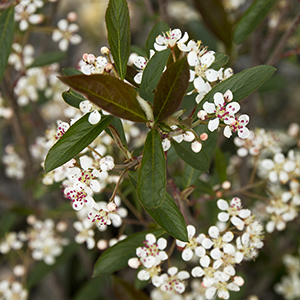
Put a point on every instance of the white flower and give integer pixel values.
(85, 233)
(170, 39)
(92, 64)
(25, 14)
(192, 246)
(174, 281)
(65, 34)
(233, 211)
(237, 125)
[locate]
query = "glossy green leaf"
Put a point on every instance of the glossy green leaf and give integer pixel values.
(73, 98)
(199, 161)
(118, 125)
(190, 175)
(154, 69)
(109, 93)
(116, 257)
(124, 290)
(171, 89)
(156, 30)
(76, 138)
(220, 60)
(151, 187)
(254, 15)
(118, 33)
(241, 84)
(40, 269)
(221, 165)
(167, 216)
(47, 59)
(215, 18)
(6, 36)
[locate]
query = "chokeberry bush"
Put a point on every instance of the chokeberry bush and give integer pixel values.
(150, 150)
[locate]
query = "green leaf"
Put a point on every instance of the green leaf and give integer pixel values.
(71, 71)
(220, 60)
(215, 18)
(221, 165)
(40, 269)
(124, 290)
(73, 98)
(109, 93)
(154, 69)
(116, 257)
(131, 72)
(76, 138)
(6, 37)
(254, 15)
(147, 96)
(241, 84)
(199, 161)
(118, 33)
(117, 123)
(151, 187)
(7, 220)
(169, 217)
(190, 175)
(87, 291)
(156, 30)
(171, 89)
(47, 59)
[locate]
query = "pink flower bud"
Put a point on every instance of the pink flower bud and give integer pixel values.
(226, 185)
(31, 219)
(62, 226)
(203, 136)
(134, 263)
(108, 67)
(72, 16)
(202, 114)
(104, 50)
(19, 270)
(293, 130)
(238, 280)
(228, 96)
(84, 56)
(111, 206)
(102, 244)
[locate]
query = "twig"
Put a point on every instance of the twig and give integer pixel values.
(283, 41)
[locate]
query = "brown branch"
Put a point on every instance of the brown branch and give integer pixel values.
(283, 41)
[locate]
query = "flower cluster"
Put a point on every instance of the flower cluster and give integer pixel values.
(12, 290)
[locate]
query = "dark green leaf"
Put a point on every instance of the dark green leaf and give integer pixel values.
(76, 138)
(190, 175)
(131, 72)
(171, 89)
(169, 217)
(40, 269)
(71, 71)
(123, 290)
(154, 69)
(151, 187)
(47, 59)
(6, 36)
(215, 18)
(156, 30)
(109, 93)
(199, 161)
(220, 60)
(221, 165)
(241, 84)
(148, 96)
(87, 291)
(118, 33)
(73, 98)
(118, 125)
(254, 15)
(116, 257)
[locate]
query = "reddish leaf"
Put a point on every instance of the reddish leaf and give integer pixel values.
(109, 93)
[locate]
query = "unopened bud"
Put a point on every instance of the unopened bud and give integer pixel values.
(19, 270)
(104, 50)
(111, 206)
(108, 67)
(293, 130)
(202, 114)
(72, 16)
(61, 226)
(31, 219)
(226, 185)
(102, 244)
(219, 194)
(203, 136)
(238, 280)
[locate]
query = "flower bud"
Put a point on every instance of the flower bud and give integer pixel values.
(203, 136)
(202, 114)
(111, 206)
(226, 185)
(104, 50)
(196, 146)
(72, 16)
(102, 244)
(19, 270)
(228, 96)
